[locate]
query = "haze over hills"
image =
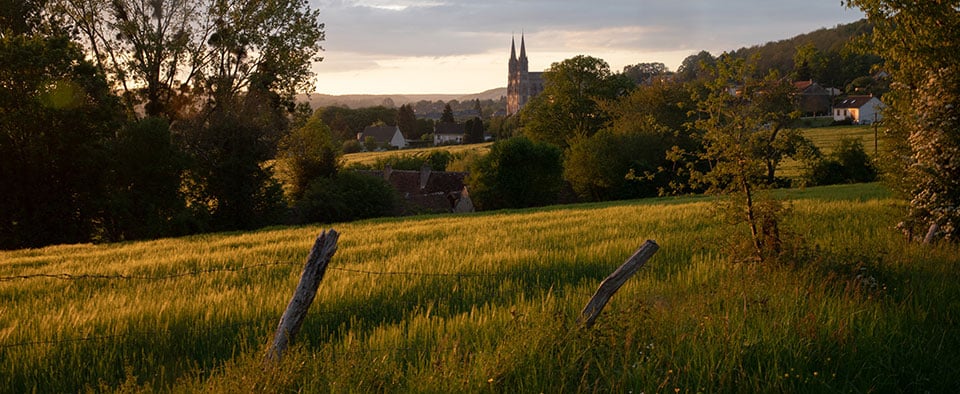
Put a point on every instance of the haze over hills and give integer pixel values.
(318, 100)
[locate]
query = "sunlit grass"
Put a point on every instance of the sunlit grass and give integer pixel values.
(827, 139)
(489, 301)
(371, 158)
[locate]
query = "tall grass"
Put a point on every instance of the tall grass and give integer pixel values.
(488, 302)
(372, 158)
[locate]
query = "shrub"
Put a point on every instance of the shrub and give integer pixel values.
(346, 196)
(517, 173)
(848, 164)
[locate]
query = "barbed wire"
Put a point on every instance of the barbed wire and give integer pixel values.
(413, 273)
(65, 276)
(95, 338)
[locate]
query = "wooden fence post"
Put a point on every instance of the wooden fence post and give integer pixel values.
(612, 283)
(321, 253)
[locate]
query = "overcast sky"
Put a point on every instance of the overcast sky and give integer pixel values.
(462, 46)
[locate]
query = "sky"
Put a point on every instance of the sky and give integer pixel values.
(462, 46)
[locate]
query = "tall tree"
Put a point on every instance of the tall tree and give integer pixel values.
(447, 116)
(407, 121)
(919, 42)
(568, 106)
(158, 51)
(57, 118)
(473, 131)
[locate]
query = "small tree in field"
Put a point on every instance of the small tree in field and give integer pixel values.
(741, 131)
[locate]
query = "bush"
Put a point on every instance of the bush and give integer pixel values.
(848, 164)
(612, 166)
(346, 196)
(352, 146)
(517, 173)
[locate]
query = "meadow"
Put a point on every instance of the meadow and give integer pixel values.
(487, 302)
(372, 158)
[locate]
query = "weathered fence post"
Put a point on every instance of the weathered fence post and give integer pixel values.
(612, 283)
(320, 255)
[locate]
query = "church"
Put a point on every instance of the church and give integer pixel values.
(522, 85)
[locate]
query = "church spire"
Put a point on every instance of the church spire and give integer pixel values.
(513, 56)
(523, 54)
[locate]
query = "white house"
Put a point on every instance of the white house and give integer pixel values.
(384, 135)
(860, 109)
(448, 133)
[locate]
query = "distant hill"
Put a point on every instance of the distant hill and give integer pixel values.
(318, 100)
(842, 62)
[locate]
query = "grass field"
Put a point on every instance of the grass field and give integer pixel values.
(371, 158)
(487, 302)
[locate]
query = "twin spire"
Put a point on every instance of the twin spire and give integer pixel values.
(520, 63)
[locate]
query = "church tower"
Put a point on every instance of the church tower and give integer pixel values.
(522, 85)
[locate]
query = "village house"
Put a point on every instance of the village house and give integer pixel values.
(448, 133)
(428, 191)
(813, 99)
(384, 136)
(859, 109)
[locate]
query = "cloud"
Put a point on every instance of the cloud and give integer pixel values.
(367, 34)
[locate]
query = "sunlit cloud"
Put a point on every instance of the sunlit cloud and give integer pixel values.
(394, 40)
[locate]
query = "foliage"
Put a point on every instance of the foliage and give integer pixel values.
(740, 135)
(351, 146)
(568, 106)
(517, 173)
(829, 56)
(407, 121)
(503, 127)
(57, 120)
(473, 132)
(163, 52)
(307, 153)
(19, 17)
(922, 121)
(696, 67)
(809, 63)
(228, 187)
(447, 116)
(346, 196)
(849, 163)
(612, 166)
(644, 73)
(346, 123)
(145, 171)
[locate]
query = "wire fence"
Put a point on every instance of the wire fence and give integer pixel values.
(65, 276)
(130, 277)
